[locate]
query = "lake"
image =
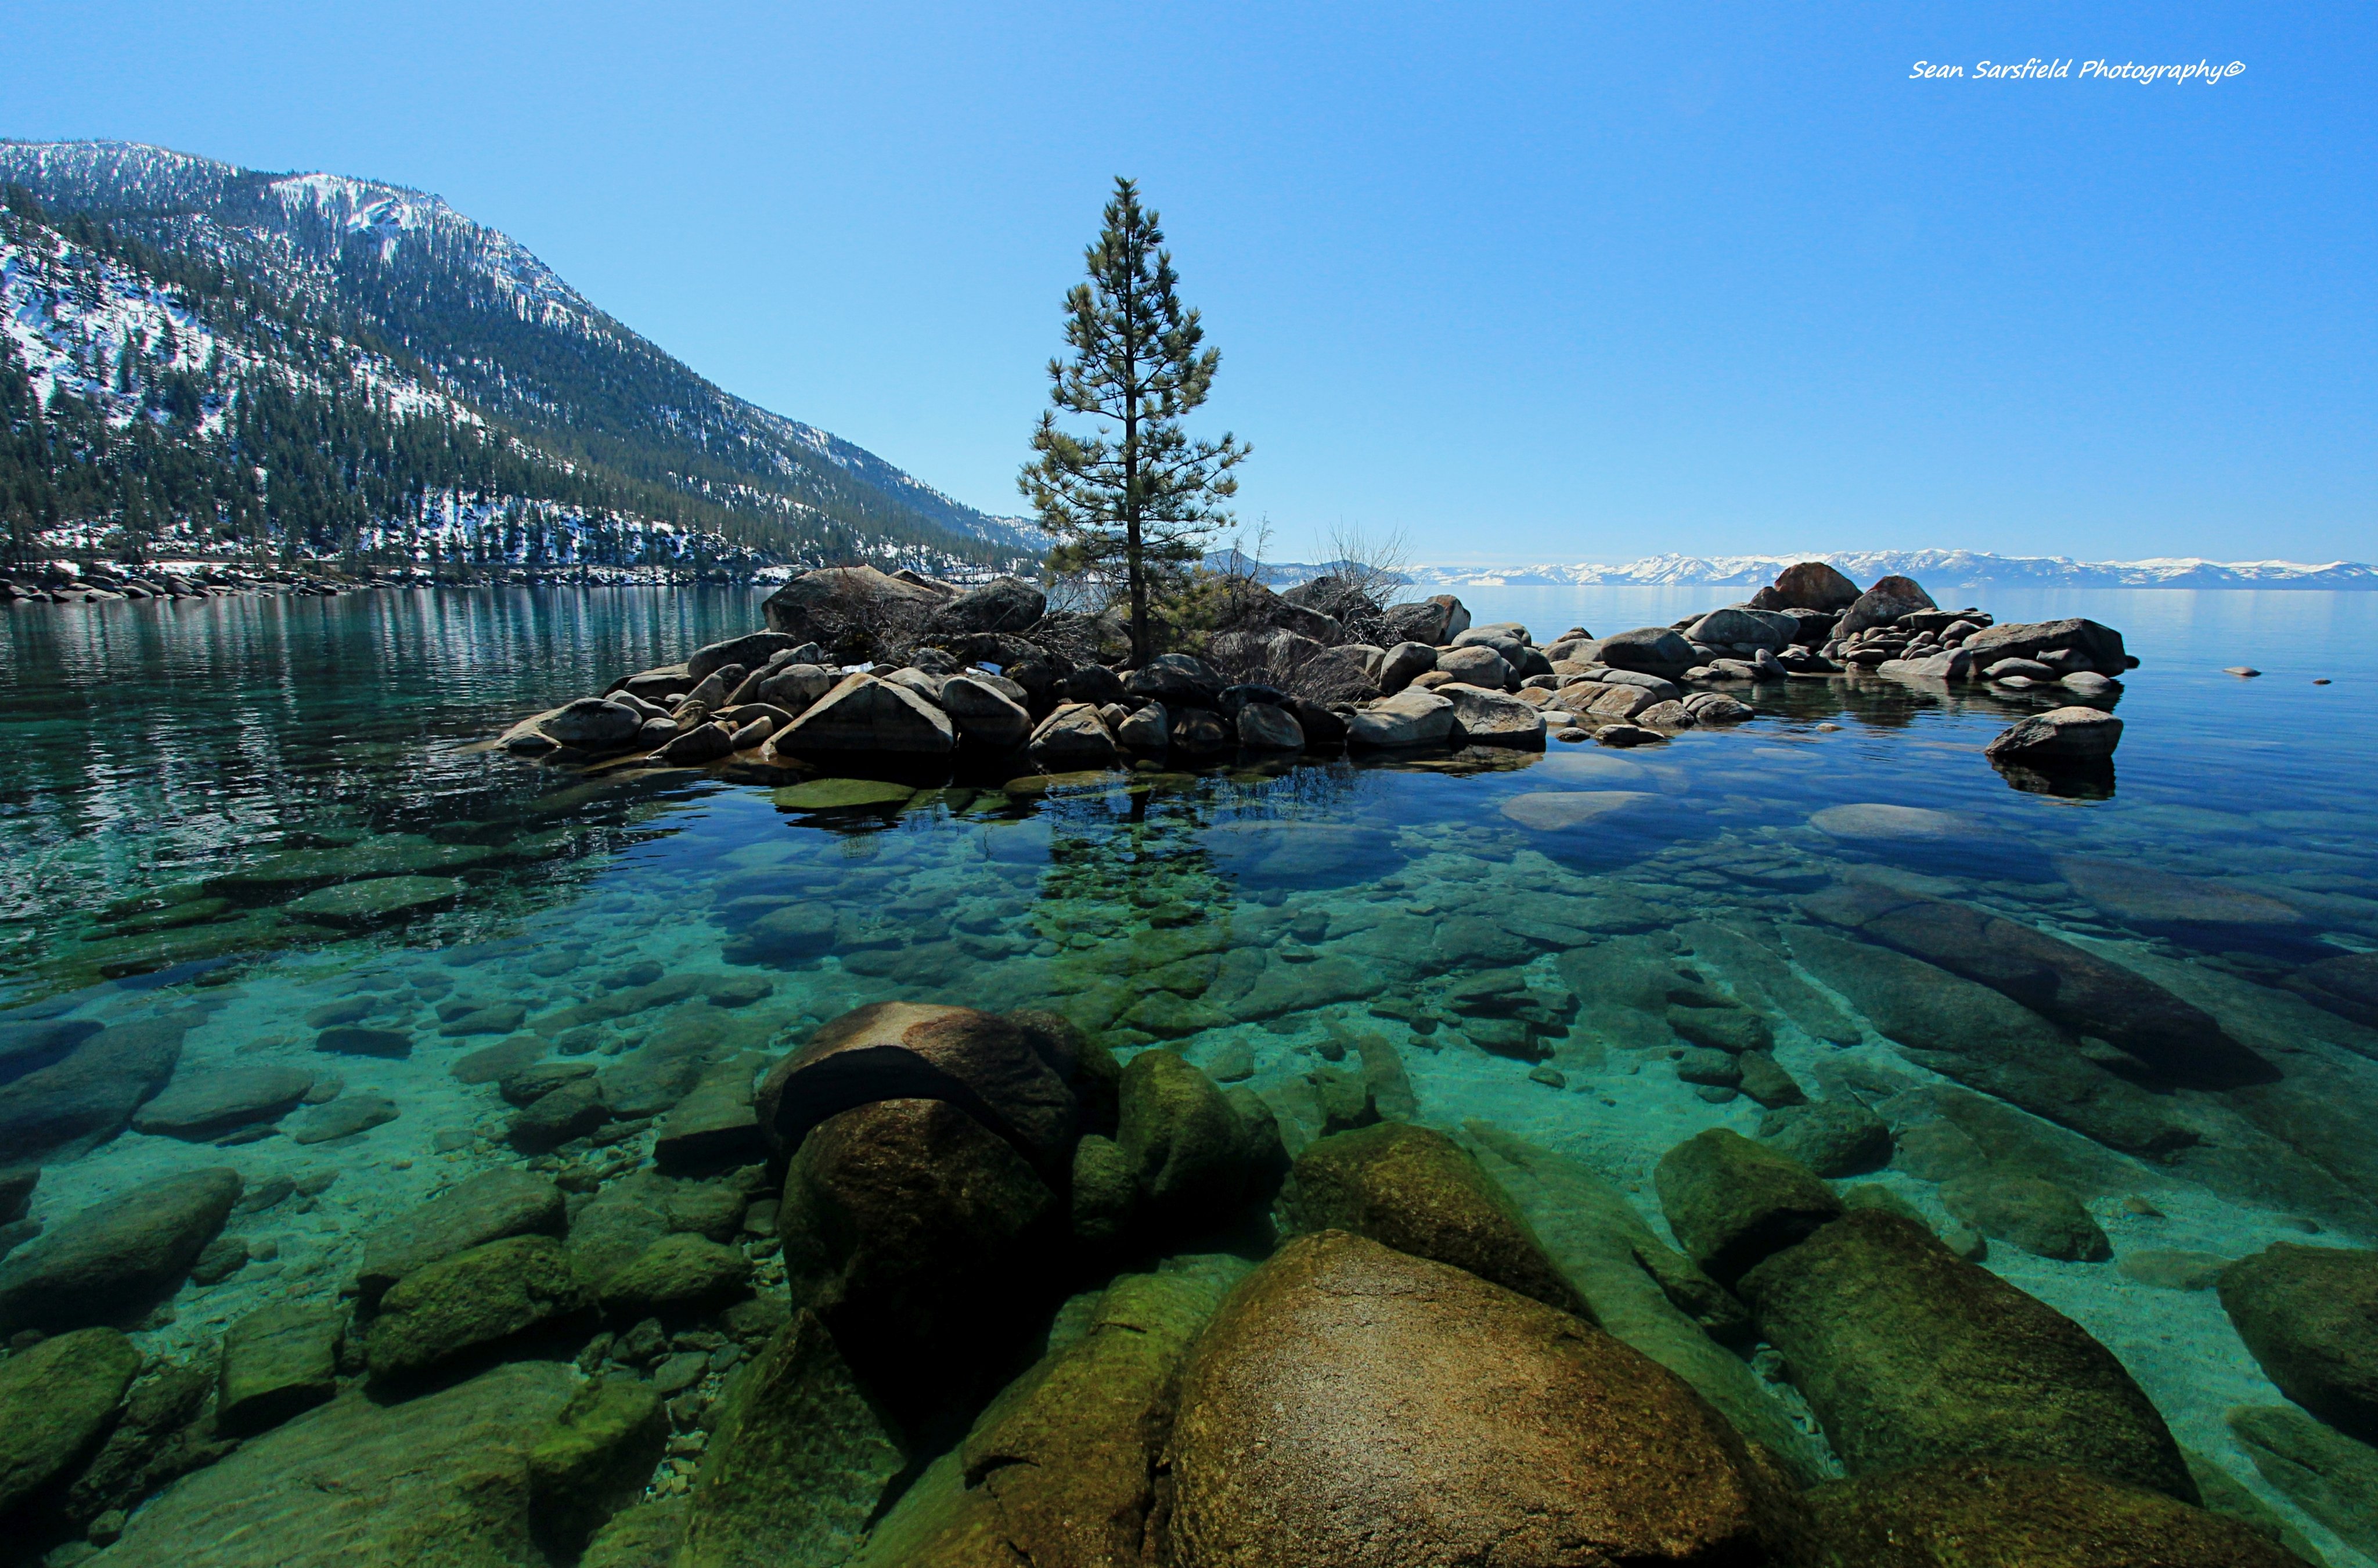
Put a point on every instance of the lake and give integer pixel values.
(191, 796)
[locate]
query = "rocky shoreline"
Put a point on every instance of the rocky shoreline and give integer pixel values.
(860, 670)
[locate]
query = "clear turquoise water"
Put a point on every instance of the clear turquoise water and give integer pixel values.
(153, 748)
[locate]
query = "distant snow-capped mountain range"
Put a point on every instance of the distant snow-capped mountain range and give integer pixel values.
(1931, 568)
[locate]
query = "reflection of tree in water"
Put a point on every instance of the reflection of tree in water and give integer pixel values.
(1137, 860)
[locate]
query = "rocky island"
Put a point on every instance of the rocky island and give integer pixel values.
(862, 669)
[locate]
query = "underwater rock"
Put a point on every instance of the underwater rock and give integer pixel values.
(594, 1459)
(1009, 1075)
(2039, 1216)
(1988, 1514)
(479, 1209)
(2309, 1314)
(2145, 896)
(645, 1536)
(158, 1436)
(1969, 1033)
(2346, 985)
(2087, 994)
(353, 1039)
(1835, 1138)
(1418, 1192)
(678, 1274)
(277, 1362)
(57, 1400)
(1643, 1291)
(1065, 1466)
(718, 1123)
(344, 1118)
(200, 1105)
(1731, 1202)
(919, 1236)
(374, 901)
(1105, 1190)
(470, 1301)
(2329, 1476)
(1910, 1355)
(572, 1110)
(439, 1479)
(2167, 1268)
(1186, 1145)
(1352, 1405)
(797, 1461)
(88, 1096)
(115, 1260)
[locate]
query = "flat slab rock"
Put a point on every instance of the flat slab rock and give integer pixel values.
(441, 1479)
(201, 1103)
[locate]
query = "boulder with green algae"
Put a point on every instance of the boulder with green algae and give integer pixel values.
(2309, 1314)
(114, 1260)
(1417, 1190)
(1188, 1148)
(1105, 1192)
(471, 1301)
(474, 1212)
(1909, 1355)
(643, 1537)
(678, 1273)
(2226, 1495)
(1352, 1405)
(1066, 1465)
(158, 1437)
(596, 1457)
(797, 1461)
(2325, 1473)
(57, 1401)
(2037, 1215)
(437, 1481)
(1644, 1292)
(1972, 1514)
(921, 1237)
(277, 1361)
(1732, 1202)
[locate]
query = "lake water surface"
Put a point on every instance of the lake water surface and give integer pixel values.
(186, 789)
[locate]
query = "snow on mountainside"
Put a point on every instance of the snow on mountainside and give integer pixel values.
(1927, 565)
(479, 325)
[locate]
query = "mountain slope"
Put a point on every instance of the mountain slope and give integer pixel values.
(399, 325)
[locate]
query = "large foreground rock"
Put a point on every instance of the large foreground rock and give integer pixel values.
(1073, 739)
(1433, 621)
(2309, 1314)
(866, 716)
(1415, 1189)
(1910, 1355)
(115, 1260)
(1004, 604)
(1011, 1074)
(919, 1236)
(796, 1463)
(56, 1401)
(440, 1482)
(1351, 1405)
(2006, 1516)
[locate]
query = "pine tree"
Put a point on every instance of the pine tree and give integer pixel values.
(1145, 495)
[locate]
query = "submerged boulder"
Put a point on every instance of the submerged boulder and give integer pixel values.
(474, 1211)
(797, 1461)
(1351, 1405)
(1192, 1156)
(115, 1260)
(1733, 1202)
(2309, 1314)
(1995, 1514)
(920, 1236)
(471, 1302)
(1416, 1190)
(1910, 1355)
(57, 1400)
(86, 1096)
(1011, 1074)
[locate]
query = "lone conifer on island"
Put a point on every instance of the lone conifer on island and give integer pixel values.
(1146, 497)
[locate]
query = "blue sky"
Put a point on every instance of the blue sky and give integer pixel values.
(1558, 283)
